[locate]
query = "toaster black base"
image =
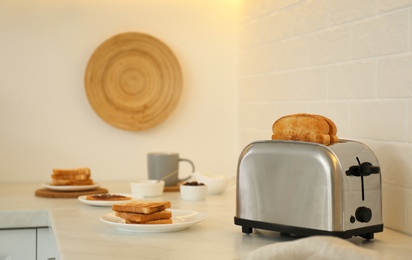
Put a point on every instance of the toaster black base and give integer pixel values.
(248, 225)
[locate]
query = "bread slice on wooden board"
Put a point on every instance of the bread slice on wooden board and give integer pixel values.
(142, 207)
(140, 218)
(305, 127)
(158, 221)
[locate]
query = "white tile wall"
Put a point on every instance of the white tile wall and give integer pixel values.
(329, 46)
(350, 10)
(378, 120)
(352, 80)
(349, 60)
(382, 35)
(396, 73)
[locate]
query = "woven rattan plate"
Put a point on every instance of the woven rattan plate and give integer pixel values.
(133, 81)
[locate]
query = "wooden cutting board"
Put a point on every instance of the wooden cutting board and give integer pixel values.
(171, 188)
(46, 193)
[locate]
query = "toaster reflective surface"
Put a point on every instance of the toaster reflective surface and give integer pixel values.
(305, 185)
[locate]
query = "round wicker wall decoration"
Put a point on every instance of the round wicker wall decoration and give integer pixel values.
(133, 81)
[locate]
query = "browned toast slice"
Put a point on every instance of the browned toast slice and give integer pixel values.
(63, 182)
(158, 221)
(142, 207)
(71, 177)
(305, 137)
(76, 176)
(333, 130)
(140, 218)
(75, 171)
(305, 127)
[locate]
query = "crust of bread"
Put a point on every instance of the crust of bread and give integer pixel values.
(305, 127)
(158, 221)
(333, 130)
(141, 218)
(332, 127)
(142, 207)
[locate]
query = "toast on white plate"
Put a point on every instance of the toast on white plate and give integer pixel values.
(75, 176)
(144, 212)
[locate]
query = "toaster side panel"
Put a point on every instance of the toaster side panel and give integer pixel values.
(290, 183)
(349, 152)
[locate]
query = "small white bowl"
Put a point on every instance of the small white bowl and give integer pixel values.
(217, 184)
(147, 188)
(191, 192)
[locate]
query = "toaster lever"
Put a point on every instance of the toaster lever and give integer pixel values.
(361, 170)
(364, 169)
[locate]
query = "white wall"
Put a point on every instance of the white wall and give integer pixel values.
(349, 60)
(46, 121)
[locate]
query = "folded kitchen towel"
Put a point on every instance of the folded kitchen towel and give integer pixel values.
(313, 248)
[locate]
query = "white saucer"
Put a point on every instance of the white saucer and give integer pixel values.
(182, 219)
(71, 187)
(104, 203)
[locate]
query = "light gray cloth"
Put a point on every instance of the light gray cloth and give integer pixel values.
(313, 248)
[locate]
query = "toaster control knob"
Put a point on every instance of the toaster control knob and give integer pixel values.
(363, 214)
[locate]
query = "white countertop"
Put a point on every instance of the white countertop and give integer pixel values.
(81, 235)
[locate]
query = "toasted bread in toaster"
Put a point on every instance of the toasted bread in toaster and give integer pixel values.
(321, 139)
(305, 127)
(141, 218)
(142, 207)
(333, 130)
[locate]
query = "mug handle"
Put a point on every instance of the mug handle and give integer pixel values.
(232, 181)
(193, 168)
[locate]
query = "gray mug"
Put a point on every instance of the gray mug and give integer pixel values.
(165, 166)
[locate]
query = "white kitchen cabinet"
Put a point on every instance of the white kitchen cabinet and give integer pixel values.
(46, 244)
(27, 244)
(18, 244)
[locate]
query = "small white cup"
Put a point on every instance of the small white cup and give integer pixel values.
(216, 184)
(190, 192)
(147, 188)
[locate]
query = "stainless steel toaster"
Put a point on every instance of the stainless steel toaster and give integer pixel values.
(305, 189)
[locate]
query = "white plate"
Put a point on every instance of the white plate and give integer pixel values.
(182, 219)
(71, 187)
(103, 203)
